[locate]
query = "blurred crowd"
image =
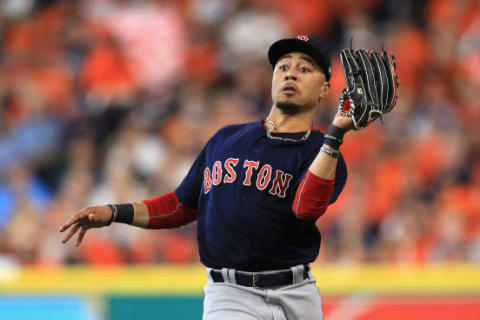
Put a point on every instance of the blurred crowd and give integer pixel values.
(111, 101)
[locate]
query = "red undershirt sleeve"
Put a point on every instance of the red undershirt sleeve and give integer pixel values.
(312, 197)
(166, 212)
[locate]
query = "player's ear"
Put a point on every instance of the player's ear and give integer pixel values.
(324, 90)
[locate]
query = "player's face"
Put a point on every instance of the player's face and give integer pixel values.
(298, 80)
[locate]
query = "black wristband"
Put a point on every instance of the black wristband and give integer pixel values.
(334, 137)
(125, 213)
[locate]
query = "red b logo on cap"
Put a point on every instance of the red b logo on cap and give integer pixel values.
(303, 37)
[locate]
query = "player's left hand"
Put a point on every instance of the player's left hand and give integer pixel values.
(344, 122)
(372, 84)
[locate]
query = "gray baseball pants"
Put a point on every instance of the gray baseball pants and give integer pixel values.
(227, 300)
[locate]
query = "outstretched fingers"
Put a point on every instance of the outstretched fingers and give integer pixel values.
(69, 223)
(81, 234)
(72, 231)
(76, 218)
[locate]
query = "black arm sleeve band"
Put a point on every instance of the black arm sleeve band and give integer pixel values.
(125, 213)
(334, 137)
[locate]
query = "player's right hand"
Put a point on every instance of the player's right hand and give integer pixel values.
(91, 217)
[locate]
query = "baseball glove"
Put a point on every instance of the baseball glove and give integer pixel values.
(372, 85)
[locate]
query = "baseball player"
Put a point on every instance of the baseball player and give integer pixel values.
(256, 190)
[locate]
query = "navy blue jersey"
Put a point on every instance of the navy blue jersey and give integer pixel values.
(243, 186)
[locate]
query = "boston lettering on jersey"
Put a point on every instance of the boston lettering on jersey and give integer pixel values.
(243, 185)
(216, 175)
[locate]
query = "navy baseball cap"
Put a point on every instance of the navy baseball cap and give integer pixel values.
(306, 44)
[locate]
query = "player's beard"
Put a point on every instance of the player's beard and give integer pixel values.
(289, 108)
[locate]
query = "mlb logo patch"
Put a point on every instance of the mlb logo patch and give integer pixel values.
(303, 37)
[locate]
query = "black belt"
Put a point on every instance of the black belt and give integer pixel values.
(261, 280)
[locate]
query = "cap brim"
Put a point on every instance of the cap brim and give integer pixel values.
(284, 46)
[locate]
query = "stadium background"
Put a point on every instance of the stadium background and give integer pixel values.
(111, 101)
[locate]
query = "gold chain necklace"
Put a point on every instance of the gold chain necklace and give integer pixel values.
(273, 126)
